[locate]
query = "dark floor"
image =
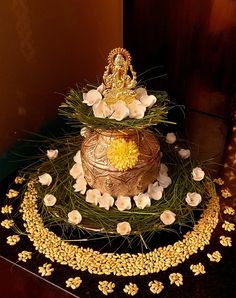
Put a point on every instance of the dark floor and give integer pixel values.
(219, 282)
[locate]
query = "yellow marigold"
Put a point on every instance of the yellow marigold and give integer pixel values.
(122, 154)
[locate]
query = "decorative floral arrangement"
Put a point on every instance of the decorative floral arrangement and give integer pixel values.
(120, 116)
(118, 102)
(59, 192)
(143, 213)
(119, 110)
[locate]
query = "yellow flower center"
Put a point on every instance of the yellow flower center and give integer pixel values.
(122, 154)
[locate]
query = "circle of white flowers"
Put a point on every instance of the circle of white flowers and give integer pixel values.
(93, 196)
(122, 203)
(120, 110)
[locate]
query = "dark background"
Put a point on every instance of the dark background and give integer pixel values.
(48, 47)
(195, 42)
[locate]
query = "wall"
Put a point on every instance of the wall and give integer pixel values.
(46, 47)
(195, 41)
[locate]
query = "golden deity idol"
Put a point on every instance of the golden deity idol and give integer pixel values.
(124, 161)
(119, 77)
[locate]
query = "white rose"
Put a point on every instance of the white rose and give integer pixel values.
(142, 200)
(45, 179)
(163, 169)
(136, 110)
(77, 157)
(164, 180)
(148, 100)
(193, 199)
(106, 201)
(170, 138)
(77, 171)
(120, 111)
(49, 200)
(52, 154)
(74, 217)
(85, 132)
(93, 196)
(101, 88)
(198, 174)
(140, 92)
(80, 185)
(123, 228)
(91, 97)
(184, 153)
(102, 110)
(168, 217)
(155, 191)
(123, 203)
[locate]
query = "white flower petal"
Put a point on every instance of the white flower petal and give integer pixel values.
(170, 138)
(52, 154)
(123, 228)
(121, 111)
(77, 157)
(164, 180)
(142, 200)
(168, 217)
(106, 201)
(155, 191)
(93, 196)
(193, 199)
(49, 200)
(77, 170)
(148, 100)
(85, 132)
(123, 203)
(102, 110)
(80, 185)
(140, 92)
(198, 174)
(74, 217)
(163, 169)
(101, 88)
(92, 97)
(136, 110)
(184, 153)
(45, 179)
